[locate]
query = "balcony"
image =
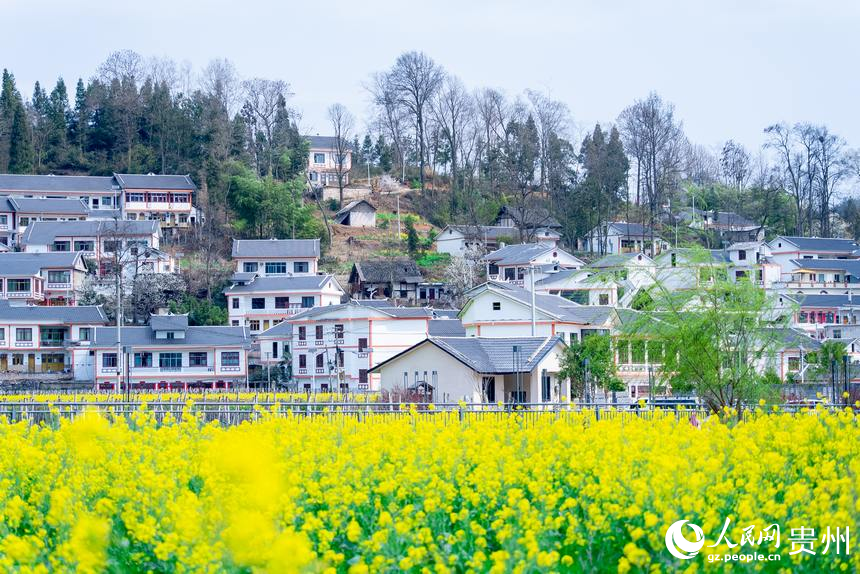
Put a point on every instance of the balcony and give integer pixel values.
(185, 370)
(54, 342)
(58, 286)
(288, 311)
(23, 295)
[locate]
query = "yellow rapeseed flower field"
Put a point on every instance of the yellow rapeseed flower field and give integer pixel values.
(421, 492)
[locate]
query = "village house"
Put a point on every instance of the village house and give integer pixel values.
(531, 219)
(167, 199)
(170, 354)
(323, 161)
(132, 244)
(359, 213)
(17, 212)
(512, 370)
(48, 340)
(821, 276)
(396, 278)
(276, 257)
(583, 286)
(503, 310)
(334, 348)
(832, 316)
(619, 237)
(515, 264)
(41, 278)
(473, 240)
(259, 303)
(785, 249)
(731, 227)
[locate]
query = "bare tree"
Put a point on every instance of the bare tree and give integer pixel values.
(452, 111)
(263, 98)
(700, 165)
(342, 124)
(220, 80)
(833, 164)
(552, 118)
(735, 165)
(121, 64)
(415, 79)
(390, 116)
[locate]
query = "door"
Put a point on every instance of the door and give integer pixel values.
(31, 362)
(4, 363)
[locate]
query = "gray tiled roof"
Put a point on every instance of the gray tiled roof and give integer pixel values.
(835, 245)
(154, 181)
(821, 301)
(194, 336)
(55, 183)
(473, 232)
(560, 275)
(352, 204)
(398, 270)
(446, 328)
(520, 254)
(66, 206)
(168, 322)
(631, 229)
(44, 232)
(618, 260)
(322, 142)
(383, 306)
(850, 266)
(276, 248)
(283, 329)
(49, 313)
(281, 283)
(18, 263)
(492, 355)
(534, 217)
(557, 306)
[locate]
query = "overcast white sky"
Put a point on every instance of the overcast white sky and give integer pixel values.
(731, 67)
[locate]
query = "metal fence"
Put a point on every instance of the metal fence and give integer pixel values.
(235, 412)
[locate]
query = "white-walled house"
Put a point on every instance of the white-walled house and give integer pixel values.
(784, 249)
(503, 310)
(616, 237)
(583, 286)
(333, 348)
(820, 276)
(358, 213)
(170, 354)
(479, 370)
(276, 257)
(48, 340)
(512, 263)
(259, 303)
(473, 240)
(323, 160)
(637, 268)
(41, 278)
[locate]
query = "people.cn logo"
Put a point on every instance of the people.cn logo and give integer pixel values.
(678, 545)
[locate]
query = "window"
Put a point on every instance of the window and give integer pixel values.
(158, 197)
(23, 334)
(794, 364)
(52, 335)
(142, 360)
(303, 333)
(85, 334)
(320, 361)
(198, 359)
(18, 285)
(282, 302)
(112, 245)
(254, 325)
(61, 246)
(17, 359)
(318, 330)
(314, 176)
(2, 333)
(303, 361)
(258, 303)
(319, 158)
(172, 361)
(603, 299)
(180, 198)
(489, 384)
(171, 335)
(339, 358)
(742, 255)
(497, 305)
(59, 276)
(338, 331)
(183, 218)
(300, 267)
(4, 220)
(362, 377)
(276, 268)
(109, 360)
(362, 345)
(84, 246)
(230, 358)
(107, 201)
(250, 266)
(307, 302)
(546, 394)
(235, 322)
(23, 221)
(135, 197)
(837, 333)
(235, 302)
(274, 349)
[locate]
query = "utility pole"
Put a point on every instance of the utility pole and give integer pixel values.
(398, 217)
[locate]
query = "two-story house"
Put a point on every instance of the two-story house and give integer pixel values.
(17, 212)
(168, 199)
(96, 192)
(41, 278)
(333, 348)
(170, 354)
(56, 340)
(323, 161)
(396, 278)
(516, 264)
(276, 257)
(820, 276)
(259, 303)
(129, 243)
(785, 249)
(618, 237)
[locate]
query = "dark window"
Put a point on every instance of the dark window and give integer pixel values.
(303, 333)
(742, 255)
(109, 360)
(362, 344)
(276, 268)
(497, 305)
(338, 331)
(303, 361)
(235, 302)
(230, 359)
(320, 360)
(300, 267)
(143, 359)
(258, 303)
(197, 359)
(307, 302)
(274, 349)
(319, 332)
(282, 302)
(362, 376)
(170, 360)
(250, 267)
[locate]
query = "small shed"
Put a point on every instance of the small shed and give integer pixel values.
(359, 213)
